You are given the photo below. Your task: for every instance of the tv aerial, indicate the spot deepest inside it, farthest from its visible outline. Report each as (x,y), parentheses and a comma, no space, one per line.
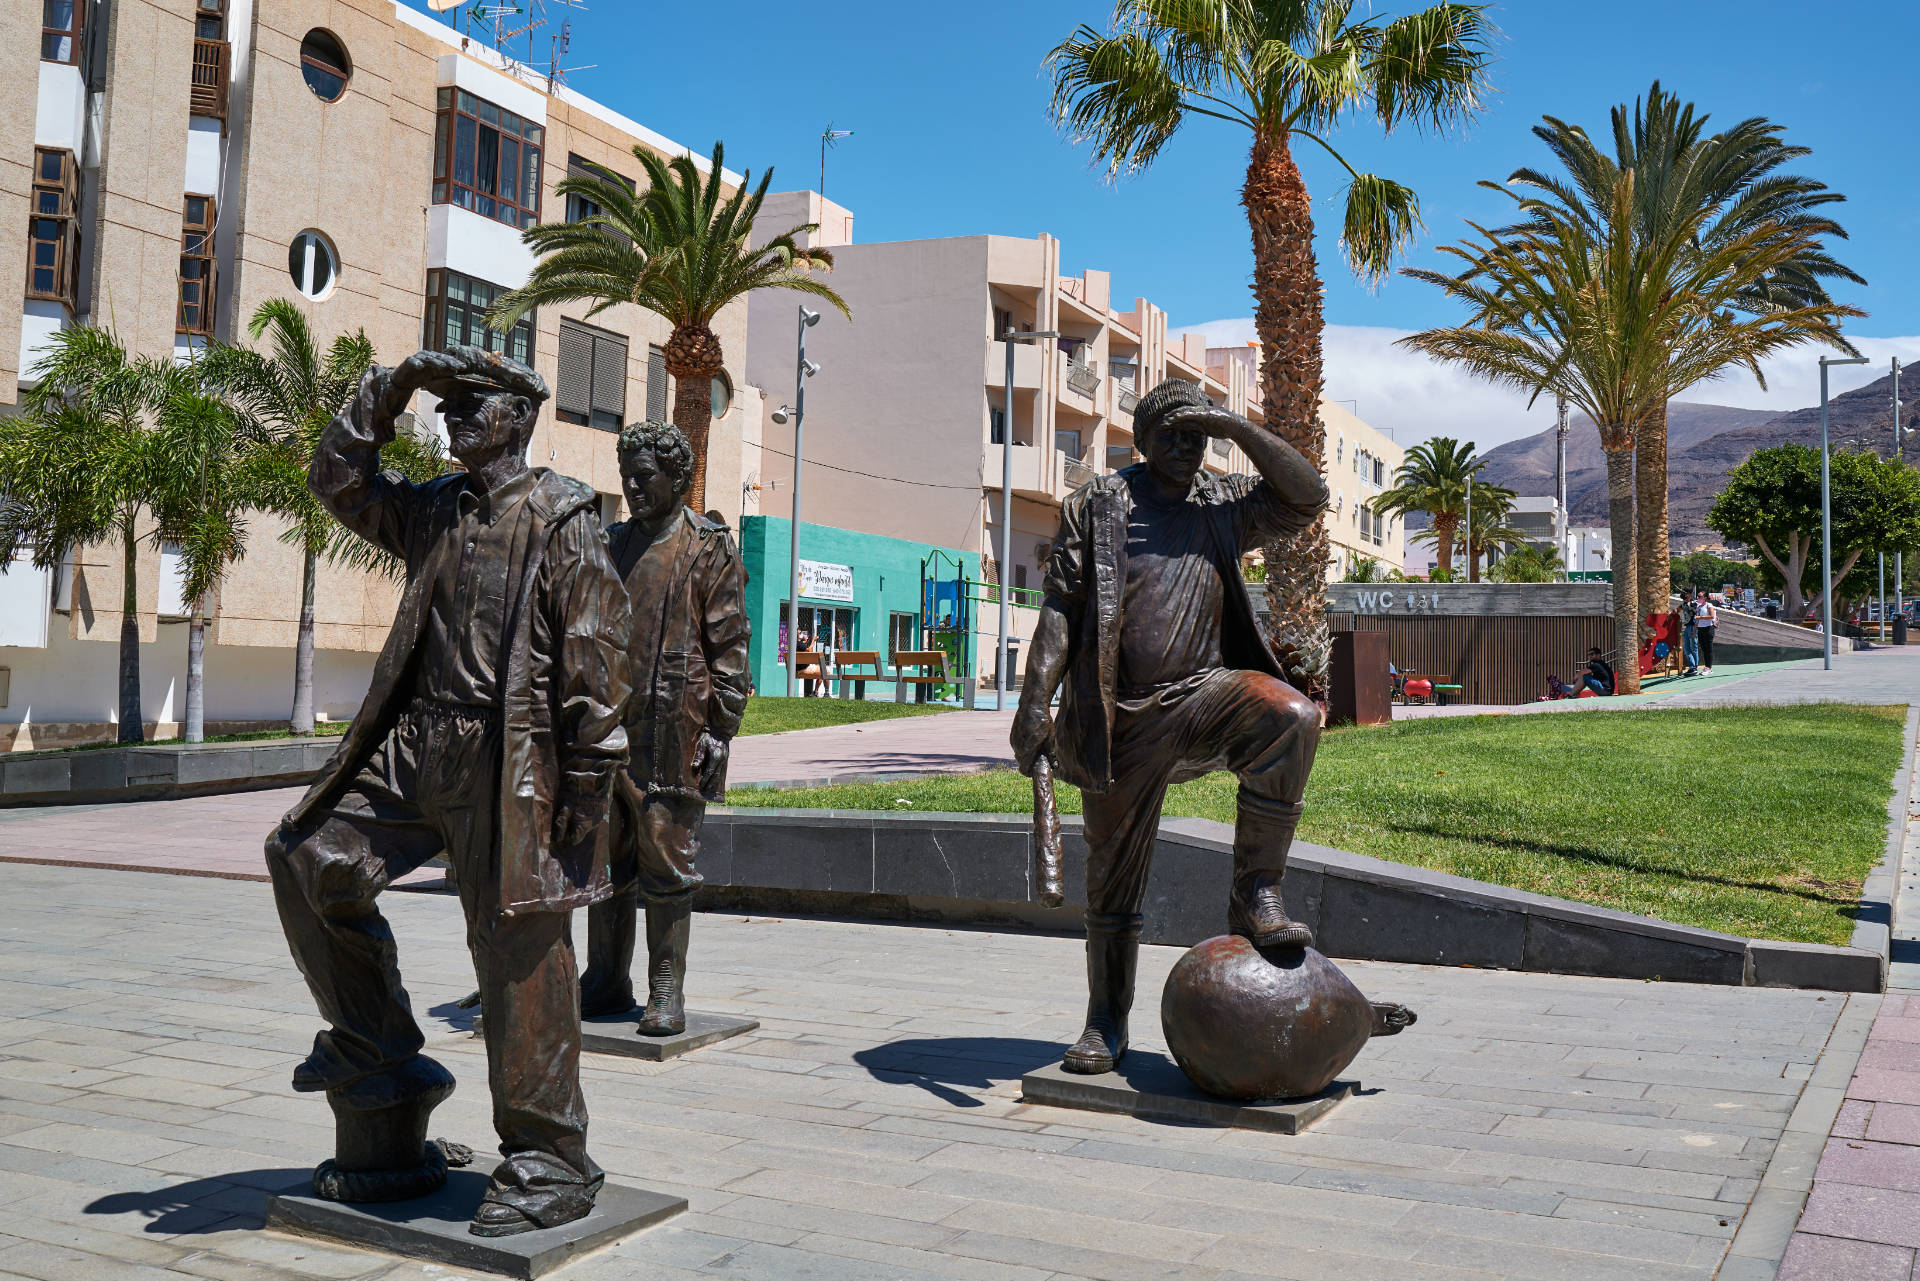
(501,23)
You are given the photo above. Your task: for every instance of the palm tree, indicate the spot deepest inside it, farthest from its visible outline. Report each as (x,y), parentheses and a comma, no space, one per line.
(1680,168)
(1528,564)
(207,485)
(78,468)
(1286,70)
(1490,521)
(1619,322)
(283,399)
(1365,569)
(1432,478)
(679,250)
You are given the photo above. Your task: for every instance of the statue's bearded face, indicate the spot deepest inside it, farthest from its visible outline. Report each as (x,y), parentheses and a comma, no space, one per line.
(1174,453)
(652,490)
(483,425)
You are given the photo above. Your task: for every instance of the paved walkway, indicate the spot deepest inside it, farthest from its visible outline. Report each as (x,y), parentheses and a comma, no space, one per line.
(1530,1128)
(950,743)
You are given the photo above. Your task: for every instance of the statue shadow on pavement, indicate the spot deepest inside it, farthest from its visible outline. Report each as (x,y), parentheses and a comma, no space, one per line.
(220,1203)
(946,1067)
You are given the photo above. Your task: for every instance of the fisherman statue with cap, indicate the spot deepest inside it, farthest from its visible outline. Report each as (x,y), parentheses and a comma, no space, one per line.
(1148,634)
(491,734)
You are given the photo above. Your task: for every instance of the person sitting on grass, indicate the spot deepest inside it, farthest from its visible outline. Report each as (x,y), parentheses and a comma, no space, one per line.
(1598,676)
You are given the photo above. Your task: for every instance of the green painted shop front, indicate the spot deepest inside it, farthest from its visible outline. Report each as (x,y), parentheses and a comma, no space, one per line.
(864,587)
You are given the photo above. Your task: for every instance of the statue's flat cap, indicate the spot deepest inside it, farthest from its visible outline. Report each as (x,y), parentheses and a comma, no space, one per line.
(489,371)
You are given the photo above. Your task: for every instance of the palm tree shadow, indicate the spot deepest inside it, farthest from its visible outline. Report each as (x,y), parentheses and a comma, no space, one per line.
(946,1067)
(218,1204)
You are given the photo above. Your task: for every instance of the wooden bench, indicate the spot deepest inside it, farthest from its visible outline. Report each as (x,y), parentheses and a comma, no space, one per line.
(850,658)
(930,669)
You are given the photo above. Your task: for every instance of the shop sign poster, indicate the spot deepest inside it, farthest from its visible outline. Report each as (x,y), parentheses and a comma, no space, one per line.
(821,581)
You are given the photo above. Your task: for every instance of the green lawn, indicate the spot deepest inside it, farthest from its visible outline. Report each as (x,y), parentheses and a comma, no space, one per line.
(1756,821)
(777,715)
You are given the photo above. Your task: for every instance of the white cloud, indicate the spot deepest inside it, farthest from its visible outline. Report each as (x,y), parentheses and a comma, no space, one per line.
(1415,398)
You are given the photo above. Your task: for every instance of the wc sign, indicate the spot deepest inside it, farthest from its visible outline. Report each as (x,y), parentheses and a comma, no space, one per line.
(1388,601)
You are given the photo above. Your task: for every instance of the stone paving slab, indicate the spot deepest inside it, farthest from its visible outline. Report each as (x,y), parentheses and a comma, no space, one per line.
(1529,1127)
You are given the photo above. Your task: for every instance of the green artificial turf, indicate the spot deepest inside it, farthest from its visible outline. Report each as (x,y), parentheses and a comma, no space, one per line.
(1760,822)
(778,715)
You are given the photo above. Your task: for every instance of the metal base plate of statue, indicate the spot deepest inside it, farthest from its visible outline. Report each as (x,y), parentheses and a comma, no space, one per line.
(1150,1085)
(434,1228)
(621,1034)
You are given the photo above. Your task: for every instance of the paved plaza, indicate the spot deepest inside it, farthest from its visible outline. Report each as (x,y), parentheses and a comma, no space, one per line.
(1529,1127)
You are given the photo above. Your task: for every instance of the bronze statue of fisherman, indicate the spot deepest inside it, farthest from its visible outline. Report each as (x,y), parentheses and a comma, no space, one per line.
(1149,635)
(491,732)
(688,651)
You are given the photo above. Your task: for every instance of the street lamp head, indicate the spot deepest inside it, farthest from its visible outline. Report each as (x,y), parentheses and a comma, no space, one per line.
(783,415)
(812,367)
(1843,360)
(809,318)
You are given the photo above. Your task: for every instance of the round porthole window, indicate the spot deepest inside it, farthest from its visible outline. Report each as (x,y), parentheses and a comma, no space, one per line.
(324,65)
(312,263)
(722,395)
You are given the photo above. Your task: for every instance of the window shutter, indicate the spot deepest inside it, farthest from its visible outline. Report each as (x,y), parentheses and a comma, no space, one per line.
(574,386)
(610,376)
(656,385)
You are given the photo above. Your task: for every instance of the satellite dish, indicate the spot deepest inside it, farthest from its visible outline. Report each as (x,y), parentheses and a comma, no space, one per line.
(441,6)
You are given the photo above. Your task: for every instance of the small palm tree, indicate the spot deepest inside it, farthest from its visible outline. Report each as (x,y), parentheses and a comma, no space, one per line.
(1365,569)
(1528,564)
(1432,478)
(283,398)
(78,468)
(1619,323)
(1680,168)
(209,482)
(1491,522)
(1287,71)
(678,249)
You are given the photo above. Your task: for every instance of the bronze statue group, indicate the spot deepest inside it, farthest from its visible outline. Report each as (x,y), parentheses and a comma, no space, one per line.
(553,711)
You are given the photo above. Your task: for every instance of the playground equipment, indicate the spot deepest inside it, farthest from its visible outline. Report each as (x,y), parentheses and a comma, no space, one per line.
(955,619)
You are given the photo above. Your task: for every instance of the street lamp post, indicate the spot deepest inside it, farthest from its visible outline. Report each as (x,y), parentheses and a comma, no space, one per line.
(1011,337)
(1826,516)
(803,369)
(1560,471)
(1899,564)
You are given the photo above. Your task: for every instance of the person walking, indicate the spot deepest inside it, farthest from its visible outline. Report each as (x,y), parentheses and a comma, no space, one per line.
(1689,632)
(1706,617)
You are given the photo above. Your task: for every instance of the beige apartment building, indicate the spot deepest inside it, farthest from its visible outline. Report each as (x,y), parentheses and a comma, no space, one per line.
(907,426)
(174,163)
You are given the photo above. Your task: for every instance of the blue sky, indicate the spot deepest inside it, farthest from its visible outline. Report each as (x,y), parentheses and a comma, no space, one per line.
(952,135)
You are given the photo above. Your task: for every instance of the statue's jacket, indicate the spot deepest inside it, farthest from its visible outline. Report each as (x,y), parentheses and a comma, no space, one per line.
(697,677)
(564,680)
(1087,579)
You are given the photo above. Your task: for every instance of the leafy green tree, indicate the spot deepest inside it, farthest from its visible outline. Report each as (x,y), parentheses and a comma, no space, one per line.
(1680,170)
(1432,478)
(1365,569)
(1528,563)
(282,398)
(1772,503)
(1704,571)
(1287,71)
(678,249)
(79,467)
(1618,322)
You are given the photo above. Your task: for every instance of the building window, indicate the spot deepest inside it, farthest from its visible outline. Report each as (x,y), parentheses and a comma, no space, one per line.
(579,208)
(657,385)
(997,426)
(903,633)
(210,20)
(457,317)
(591,389)
(60,22)
(313,264)
(196,267)
(323,64)
(53,256)
(1067,442)
(721,392)
(487,159)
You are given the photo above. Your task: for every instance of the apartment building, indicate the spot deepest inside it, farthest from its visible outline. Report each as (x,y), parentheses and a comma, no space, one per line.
(175,163)
(908,428)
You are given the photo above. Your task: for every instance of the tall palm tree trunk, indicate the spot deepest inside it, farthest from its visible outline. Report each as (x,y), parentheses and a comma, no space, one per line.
(1443,528)
(1287,316)
(1626,595)
(302,718)
(693,357)
(197,673)
(1650,504)
(132,720)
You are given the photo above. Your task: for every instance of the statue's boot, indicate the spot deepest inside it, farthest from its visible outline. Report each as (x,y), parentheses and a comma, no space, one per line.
(1262,836)
(669,922)
(1113,953)
(607,986)
(534,1190)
